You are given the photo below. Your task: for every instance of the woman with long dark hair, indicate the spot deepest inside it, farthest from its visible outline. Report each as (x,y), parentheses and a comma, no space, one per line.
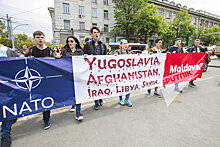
(73,48)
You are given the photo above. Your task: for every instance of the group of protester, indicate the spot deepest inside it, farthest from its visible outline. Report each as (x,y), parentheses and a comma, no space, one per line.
(92,47)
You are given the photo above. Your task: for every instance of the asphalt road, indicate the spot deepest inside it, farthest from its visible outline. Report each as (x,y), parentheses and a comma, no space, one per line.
(192,120)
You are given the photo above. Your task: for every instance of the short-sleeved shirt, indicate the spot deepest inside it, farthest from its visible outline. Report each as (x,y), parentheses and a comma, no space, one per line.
(41,53)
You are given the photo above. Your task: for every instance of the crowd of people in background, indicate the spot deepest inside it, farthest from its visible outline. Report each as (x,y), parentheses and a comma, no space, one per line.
(93,46)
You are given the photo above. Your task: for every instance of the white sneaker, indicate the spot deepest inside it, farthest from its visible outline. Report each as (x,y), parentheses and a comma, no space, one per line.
(72,109)
(79,117)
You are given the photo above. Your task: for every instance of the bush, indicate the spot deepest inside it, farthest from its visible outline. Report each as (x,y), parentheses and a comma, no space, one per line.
(6,41)
(28,44)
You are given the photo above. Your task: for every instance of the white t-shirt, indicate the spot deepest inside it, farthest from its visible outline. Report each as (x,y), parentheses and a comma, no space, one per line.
(198,50)
(145,52)
(158,51)
(3,51)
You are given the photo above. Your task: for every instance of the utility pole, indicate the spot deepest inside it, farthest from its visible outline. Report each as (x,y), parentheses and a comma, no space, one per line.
(10,29)
(8,25)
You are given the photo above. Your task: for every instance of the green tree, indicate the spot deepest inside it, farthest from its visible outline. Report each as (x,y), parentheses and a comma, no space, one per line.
(150,23)
(3,31)
(6,41)
(211,35)
(182,25)
(28,44)
(21,38)
(168,35)
(126,12)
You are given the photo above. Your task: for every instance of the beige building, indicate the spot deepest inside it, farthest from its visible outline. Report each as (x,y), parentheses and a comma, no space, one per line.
(199,18)
(77,16)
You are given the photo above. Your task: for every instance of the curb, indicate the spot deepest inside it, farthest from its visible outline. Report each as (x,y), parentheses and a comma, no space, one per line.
(218,66)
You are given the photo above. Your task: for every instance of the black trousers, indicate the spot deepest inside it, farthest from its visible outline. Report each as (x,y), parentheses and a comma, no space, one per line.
(46,115)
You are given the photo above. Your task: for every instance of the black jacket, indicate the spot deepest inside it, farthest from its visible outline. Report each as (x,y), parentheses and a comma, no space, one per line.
(90,49)
(194,48)
(67,52)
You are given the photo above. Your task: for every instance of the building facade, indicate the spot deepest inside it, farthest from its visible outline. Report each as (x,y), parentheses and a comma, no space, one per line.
(76,17)
(199,18)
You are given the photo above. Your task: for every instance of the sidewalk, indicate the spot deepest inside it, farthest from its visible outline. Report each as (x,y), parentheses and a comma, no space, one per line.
(214,63)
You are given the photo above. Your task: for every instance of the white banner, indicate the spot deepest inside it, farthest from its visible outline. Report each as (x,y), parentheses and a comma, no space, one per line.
(104,76)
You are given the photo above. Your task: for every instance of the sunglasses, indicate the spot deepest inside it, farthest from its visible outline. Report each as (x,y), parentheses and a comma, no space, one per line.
(39,37)
(70,41)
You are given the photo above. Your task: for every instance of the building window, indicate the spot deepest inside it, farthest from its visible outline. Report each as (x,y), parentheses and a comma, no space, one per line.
(67,24)
(105,2)
(81,10)
(174,15)
(105,14)
(94,24)
(210,24)
(194,20)
(206,23)
(94,12)
(106,28)
(160,11)
(201,22)
(66,8)
(168,14)
(82,25)
(94,1)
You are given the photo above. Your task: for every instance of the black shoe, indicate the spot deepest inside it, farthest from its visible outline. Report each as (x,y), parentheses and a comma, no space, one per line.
(96,107)
(100,102)
(6,141)
(46,125)
(191,84)
(14,121)
(178,90)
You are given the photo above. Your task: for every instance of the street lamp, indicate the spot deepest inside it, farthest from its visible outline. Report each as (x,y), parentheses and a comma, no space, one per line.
(12,36)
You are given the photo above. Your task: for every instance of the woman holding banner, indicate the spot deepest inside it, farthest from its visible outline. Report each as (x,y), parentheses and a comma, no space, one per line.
(73,48)
(123,50)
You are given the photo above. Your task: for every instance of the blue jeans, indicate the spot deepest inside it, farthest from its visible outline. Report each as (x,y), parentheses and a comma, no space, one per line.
(176,85)
(78,108)
(126,97)
(6,128)
(97,101)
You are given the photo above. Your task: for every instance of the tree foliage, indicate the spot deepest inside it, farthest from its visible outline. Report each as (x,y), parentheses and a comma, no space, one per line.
(182,25)
(150,23)
(211,35)
(3,31)
(126,12)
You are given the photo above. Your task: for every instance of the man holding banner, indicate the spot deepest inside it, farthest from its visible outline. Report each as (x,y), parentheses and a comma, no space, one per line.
(196,49)
(95,47)
(157,49)
(40,50)
(176,49)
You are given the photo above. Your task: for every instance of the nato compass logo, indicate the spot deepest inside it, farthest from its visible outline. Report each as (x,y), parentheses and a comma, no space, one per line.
(29,78)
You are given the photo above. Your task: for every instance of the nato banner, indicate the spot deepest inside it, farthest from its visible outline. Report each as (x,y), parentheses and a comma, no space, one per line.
(33,85)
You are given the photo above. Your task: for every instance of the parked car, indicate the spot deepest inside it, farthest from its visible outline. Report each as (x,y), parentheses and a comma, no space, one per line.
(136,51)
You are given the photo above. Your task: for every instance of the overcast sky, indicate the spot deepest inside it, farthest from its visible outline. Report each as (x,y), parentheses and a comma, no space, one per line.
(35,13)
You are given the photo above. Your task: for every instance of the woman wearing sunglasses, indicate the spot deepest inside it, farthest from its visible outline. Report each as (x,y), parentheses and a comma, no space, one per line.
(73,48)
